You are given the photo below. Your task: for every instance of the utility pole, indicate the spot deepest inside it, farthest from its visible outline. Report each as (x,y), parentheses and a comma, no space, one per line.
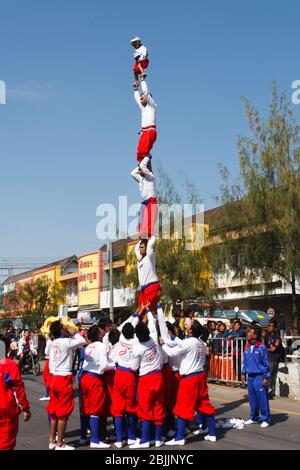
(111,287)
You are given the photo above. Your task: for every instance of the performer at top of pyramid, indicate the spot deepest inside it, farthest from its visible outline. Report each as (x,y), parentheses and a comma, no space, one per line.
(148,135)
(141,60)
(143,175)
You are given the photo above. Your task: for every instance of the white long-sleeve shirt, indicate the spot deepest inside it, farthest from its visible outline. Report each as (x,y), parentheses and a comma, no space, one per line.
(148,112)
(192,352)
(148,355)
(124,354)
(146,182)
(95,358)
(61,354)
(146,265)
(141,53)
(48,347)
(25,346)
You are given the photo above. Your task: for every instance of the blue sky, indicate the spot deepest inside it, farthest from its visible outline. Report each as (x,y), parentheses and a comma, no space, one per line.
(68,132)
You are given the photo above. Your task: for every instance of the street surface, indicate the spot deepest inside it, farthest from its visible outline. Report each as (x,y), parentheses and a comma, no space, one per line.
(284,434)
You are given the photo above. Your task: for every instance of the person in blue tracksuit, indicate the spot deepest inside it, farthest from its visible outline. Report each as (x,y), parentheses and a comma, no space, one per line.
(256,367)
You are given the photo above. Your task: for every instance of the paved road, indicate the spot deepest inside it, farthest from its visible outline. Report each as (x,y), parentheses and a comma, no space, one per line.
(284,434)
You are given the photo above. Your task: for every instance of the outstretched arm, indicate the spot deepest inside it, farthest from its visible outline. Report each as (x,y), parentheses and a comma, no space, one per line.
(137,99)
(150,245)
(152,326)
(137,250)
(162,323)
(136,176)
(145,91)
(144,167)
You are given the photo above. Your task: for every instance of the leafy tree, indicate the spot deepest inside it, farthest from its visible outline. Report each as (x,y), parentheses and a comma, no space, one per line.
(34,300)
(259,223)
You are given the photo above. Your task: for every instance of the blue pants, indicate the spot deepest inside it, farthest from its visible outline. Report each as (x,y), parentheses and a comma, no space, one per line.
(258,399)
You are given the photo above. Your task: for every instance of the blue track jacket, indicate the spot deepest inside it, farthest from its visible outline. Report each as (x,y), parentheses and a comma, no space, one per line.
(256,362)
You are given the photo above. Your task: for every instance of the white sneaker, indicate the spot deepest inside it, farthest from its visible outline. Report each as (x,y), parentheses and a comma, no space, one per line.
(159,443)
(200,431)
(52,445)
(99,445)
(83,442)
(138,445)
(65,447)
(119,445)
(173,442)
(210,438)
(44,399)
(264,424)
(249,421)
(132,441)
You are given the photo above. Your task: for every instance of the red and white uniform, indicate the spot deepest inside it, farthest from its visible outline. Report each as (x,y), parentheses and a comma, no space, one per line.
(140,56)
(148,125)
(149,207)
(109,377)
(150,287)
(125,384)
(193,391)
(171,365)
(12,402)
(61,402)
(151,385)
(92,388)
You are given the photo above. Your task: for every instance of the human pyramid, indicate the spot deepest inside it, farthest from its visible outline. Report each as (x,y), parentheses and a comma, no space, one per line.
(140,373)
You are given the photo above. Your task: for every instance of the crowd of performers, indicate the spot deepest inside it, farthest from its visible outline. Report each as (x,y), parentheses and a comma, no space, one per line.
(140,374)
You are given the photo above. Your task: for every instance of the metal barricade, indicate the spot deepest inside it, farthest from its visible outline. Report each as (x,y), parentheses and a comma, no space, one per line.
(225,359)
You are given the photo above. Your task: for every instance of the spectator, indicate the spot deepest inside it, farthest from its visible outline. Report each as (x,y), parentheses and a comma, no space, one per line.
(189,321)
(273,344)
(219,346)
(181,322)
(238,337)
(212,326)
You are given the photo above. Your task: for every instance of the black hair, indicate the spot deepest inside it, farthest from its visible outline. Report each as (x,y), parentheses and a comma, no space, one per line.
(128,331)
(55,329)
(171,328)
(257,330)
(197,329)
(114,336)
(93,333)
(142,332)
(144,241)
(274,322)
(6,341)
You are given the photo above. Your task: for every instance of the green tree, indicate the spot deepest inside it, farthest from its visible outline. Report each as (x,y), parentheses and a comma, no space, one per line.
(34,300)
(259,223)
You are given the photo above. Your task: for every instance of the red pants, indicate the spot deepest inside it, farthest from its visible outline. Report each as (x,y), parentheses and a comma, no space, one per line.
(8,433)
(148,216)
(61,392)
(124,393)
(151,398)
(151,294)
(146,142)
(46,373)
(171,387)
(144,64)
(92,395)
(108,380)
(193,396)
